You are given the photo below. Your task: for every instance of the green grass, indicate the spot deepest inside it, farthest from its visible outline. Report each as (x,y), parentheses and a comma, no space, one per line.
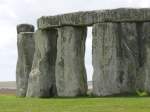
(111,104)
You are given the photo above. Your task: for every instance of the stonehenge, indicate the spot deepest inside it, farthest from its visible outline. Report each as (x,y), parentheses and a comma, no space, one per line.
(51,59)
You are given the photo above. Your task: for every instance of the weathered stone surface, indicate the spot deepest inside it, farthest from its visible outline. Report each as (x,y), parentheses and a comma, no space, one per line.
(71,77)
(89,18)
(25,43)
(42,76)
(146,61)
(115,58)
(129,54)
(140,57)
(73,19)
(104,59)
(25,28)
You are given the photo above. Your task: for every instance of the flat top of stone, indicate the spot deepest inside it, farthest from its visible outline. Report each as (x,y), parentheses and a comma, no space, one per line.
(25,28)
(88,18)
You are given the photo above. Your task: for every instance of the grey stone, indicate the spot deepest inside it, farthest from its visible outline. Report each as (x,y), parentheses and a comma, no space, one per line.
(104,59)
(25,43)
(73,19)
(25,28)
(88,18)
(115,58)
(71,77)
(146,60)
(42,76)
(134,52)
(140,76)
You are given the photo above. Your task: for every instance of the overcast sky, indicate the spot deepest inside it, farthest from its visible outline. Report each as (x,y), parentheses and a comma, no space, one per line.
(13,12)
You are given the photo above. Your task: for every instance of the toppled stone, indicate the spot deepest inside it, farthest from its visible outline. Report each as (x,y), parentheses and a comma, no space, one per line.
(71,79)
(88,18)
(42,76)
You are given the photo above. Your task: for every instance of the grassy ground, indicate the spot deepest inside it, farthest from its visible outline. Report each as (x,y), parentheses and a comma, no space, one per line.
(111,104)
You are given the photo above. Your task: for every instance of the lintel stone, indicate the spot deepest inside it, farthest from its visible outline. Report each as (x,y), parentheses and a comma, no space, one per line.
(88,18)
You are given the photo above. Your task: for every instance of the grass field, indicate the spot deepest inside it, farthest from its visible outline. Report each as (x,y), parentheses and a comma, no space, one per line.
(111,104)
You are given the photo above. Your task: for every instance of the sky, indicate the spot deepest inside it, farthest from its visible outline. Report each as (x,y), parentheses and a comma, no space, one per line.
(13,12)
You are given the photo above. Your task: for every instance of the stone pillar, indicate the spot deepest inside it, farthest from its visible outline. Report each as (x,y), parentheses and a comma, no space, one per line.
(71,79)
(146,38)
(25,44)
(42,76)
(131,55)
(115,58)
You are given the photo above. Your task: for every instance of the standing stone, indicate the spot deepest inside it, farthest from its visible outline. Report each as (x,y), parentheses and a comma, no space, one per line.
(146,38)
(140,76)
(71,79)
(42,76)
(104,59)
(25,44)
(115,52)
(130,55)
